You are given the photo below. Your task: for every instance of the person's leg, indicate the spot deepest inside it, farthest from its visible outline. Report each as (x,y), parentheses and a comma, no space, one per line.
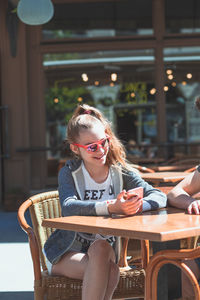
(97,268)
(102,274)
(187,290)
(71,265)
(112,281)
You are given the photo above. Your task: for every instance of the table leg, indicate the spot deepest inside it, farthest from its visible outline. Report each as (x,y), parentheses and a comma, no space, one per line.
(168,287)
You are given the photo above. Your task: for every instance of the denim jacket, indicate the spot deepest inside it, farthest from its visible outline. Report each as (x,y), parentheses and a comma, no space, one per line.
(71,186)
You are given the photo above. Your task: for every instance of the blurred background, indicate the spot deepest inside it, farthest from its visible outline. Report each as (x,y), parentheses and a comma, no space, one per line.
(137,61)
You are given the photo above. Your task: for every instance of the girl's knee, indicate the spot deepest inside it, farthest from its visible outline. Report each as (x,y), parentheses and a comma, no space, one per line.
(101,248)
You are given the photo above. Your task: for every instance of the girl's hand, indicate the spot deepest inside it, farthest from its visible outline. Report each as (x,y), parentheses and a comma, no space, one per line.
(125,207)
(194,207)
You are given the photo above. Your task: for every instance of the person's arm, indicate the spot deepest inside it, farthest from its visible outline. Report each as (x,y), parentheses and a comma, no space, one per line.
(153,198)
(125,206)
(72,205)
(181,195)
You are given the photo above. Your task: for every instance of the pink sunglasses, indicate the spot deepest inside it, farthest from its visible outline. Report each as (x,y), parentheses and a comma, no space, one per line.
(103,143)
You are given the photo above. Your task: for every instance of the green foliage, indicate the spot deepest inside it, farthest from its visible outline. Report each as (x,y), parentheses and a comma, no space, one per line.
(62,101)
(134,92)
(14,11)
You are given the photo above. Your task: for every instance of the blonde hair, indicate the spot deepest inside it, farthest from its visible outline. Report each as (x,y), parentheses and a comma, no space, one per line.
(86,117)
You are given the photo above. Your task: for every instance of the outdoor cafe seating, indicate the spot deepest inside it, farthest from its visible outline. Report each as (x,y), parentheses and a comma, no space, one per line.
(47,205)
(177,258)
(132,280)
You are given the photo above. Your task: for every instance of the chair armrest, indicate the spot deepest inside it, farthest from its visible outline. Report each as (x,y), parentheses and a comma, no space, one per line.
(32,238)
(175,257)
(183,254)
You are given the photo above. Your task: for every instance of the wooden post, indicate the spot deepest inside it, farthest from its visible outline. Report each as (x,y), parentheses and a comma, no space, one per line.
(16,174)
(36,107)
(159,29)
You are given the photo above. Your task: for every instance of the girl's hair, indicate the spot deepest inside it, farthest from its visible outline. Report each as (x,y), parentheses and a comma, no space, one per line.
(85,117)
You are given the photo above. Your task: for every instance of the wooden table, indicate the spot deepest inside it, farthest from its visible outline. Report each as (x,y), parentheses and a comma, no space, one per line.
(171,168)
(144,160)
(163,177)
(163,225)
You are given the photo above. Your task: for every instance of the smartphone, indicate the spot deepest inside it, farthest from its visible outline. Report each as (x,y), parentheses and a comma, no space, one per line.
(135,192)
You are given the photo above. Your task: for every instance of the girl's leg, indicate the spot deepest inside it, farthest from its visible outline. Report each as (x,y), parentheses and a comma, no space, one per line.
(102,274)
(187,290)
(97,269)
(71,265)
(112,281)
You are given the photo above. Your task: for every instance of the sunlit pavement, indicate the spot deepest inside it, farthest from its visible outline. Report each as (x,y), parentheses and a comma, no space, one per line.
(16,271)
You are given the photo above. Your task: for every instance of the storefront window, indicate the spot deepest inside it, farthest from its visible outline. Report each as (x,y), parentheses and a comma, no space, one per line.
(182,16)
(100,19)
(120,83)
(182,87)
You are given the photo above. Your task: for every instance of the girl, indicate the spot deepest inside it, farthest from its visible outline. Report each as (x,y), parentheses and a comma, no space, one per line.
(94,184)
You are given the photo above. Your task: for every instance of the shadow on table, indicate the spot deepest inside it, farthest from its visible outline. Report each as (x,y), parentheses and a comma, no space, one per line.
(162,211)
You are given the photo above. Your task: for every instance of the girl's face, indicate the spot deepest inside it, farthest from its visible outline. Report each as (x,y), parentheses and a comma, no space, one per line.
(94,154)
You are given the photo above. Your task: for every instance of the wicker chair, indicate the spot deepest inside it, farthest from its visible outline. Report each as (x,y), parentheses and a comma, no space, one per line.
(175,257)
(48,287)
(189,250)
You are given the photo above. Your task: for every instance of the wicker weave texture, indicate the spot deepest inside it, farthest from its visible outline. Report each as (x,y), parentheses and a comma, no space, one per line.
(131,284)
(47,205)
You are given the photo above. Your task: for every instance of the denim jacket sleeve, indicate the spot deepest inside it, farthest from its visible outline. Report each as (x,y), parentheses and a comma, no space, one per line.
(153,198)
(69,198)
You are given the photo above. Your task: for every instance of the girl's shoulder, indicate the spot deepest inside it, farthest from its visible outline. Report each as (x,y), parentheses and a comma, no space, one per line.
(66,173)
(71,165)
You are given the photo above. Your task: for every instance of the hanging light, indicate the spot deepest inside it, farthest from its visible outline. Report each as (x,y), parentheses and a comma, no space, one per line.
(166,88)
(189,75)
(152,91)
(56,100)
(169,72)
(79,99)
(113,77)
(35,12)
(132,94)
(170,77)
(84,77)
